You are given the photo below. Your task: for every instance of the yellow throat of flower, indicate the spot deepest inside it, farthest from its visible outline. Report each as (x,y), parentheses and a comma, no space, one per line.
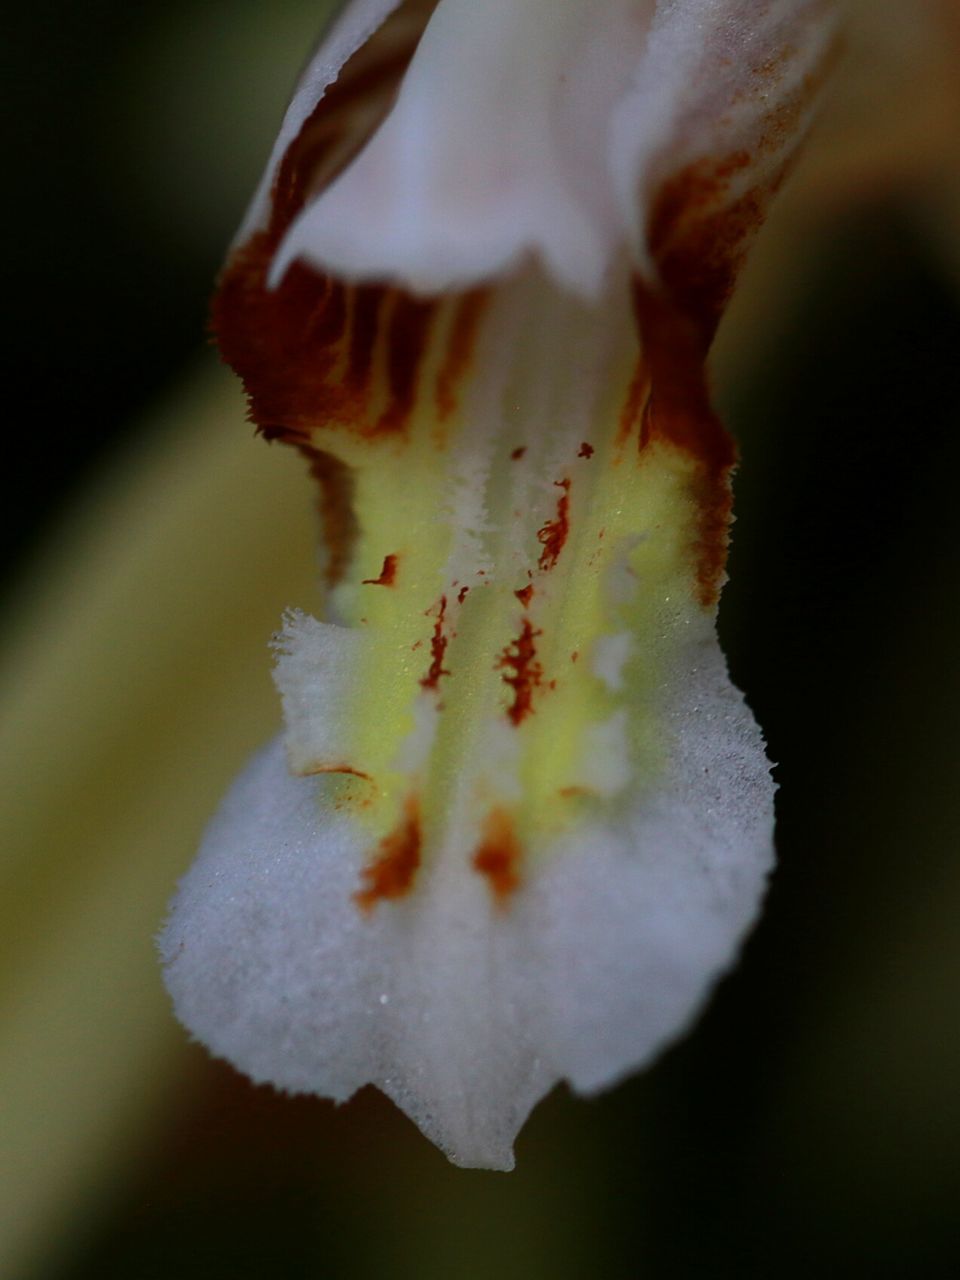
(517,539)
(525,501)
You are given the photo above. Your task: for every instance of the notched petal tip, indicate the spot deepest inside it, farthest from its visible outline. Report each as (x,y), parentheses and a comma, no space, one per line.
(466,1014)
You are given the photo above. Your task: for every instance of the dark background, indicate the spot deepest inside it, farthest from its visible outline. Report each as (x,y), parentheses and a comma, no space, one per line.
(811,1123)
(133,135)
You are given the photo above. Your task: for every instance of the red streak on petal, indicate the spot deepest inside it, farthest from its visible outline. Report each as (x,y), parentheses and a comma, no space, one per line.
(305,350)
(388,574)
(586,450)
(517,454)
(392,872)
(698,236)
(314,769)
(520,658)
(407,341)
(338,521)
(369,304)
(498,855)
(679,413)
(524,595)
(438,647)
(462,594)
(701,224)
(554,533)
(634,403)
(460,348)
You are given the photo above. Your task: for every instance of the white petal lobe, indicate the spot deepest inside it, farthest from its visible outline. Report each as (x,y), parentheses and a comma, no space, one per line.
(463,1014)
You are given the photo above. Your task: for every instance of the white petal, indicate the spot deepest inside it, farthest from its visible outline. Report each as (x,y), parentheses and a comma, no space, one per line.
(316,671)
(490,153)
(720,101)
(550,129)
(463,1014)
(351,30)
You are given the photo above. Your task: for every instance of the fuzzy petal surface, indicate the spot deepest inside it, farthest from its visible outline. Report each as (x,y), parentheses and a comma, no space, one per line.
(466,1016)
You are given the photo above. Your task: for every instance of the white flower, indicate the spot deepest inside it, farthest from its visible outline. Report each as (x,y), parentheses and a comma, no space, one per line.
(531,817)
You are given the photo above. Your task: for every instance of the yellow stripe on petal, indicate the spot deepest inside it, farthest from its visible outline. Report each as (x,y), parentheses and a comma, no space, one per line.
(526,557)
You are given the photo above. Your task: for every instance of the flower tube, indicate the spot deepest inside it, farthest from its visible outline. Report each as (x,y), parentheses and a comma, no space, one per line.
(519,819)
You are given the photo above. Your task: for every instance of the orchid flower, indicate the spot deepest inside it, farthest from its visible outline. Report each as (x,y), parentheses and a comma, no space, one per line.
(520,819)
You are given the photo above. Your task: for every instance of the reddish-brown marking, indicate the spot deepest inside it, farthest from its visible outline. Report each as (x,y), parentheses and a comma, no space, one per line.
(462,594)
(460,348)
(337,518)
(315,769)
(554,533)
(701,223)
(498,855)
(438,647)
(679,412)
(350,110)
(388,574)
(369,303)
(697,235)
(391,873)
(585,451)
(569,793)
(636,398)
(700,239)
(525,595)
(305,348)
(517,454)
(407,340)
(520,658)
(575,656)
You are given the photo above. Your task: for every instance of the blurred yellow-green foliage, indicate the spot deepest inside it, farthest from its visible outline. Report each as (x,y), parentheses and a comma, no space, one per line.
(811,1122)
